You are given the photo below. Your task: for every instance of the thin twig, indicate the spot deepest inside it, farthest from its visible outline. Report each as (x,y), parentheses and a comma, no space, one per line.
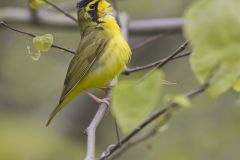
(33,35)
(149,120)
(128,71)
(61,10)
(153,131)
(160,63)
(67,5)
(147,41)
(117,129)
(178,51)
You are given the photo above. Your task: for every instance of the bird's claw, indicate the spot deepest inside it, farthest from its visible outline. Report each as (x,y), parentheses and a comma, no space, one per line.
(98,100)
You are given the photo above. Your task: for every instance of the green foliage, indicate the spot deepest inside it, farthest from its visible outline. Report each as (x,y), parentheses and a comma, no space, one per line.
(43,43)
(34,4)
(34,55)
(213,30)
(182,101)
(133,101)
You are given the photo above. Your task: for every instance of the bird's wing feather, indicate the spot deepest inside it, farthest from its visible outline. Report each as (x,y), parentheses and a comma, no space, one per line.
(90,49)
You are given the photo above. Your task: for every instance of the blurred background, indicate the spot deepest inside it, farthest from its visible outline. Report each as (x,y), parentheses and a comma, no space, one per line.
(30,90)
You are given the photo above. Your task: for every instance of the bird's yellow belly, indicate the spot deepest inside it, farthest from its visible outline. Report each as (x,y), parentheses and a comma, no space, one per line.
(108,66)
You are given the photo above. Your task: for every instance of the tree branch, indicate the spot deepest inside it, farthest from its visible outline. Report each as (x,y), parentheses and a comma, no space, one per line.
(160,63)
(169,58)
(61,10)
(18,15)
(172,106)
(91,131)
(33,35)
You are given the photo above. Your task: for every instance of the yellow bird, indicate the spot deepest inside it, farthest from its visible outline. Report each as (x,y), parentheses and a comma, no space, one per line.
(102,53)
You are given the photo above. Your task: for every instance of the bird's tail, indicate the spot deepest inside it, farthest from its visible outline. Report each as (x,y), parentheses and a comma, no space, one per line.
(54,112)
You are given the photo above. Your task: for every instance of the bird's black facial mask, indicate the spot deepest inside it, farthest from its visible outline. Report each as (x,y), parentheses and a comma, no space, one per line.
(83,3)
(94,12)
(91,9)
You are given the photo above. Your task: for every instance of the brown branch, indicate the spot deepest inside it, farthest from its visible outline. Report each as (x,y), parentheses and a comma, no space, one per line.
(33,35)
(172,106)
(162,62)
(61,10)
(169,58)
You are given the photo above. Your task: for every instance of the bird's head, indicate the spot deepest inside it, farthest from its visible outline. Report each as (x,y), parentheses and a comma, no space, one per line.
(93,10)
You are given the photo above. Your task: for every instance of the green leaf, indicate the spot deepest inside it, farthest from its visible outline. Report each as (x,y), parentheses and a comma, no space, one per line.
(43,43)
(182,101)
(34,4)
(35,56)
(236,86)
(133,101)
(163,128)
(213,30)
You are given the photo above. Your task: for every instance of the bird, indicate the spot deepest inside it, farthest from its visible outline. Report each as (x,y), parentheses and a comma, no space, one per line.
(102,54)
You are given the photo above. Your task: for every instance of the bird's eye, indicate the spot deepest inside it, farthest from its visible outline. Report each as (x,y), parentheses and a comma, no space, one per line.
(92,6)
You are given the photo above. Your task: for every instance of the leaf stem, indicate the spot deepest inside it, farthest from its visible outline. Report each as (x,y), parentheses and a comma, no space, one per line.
(2,23)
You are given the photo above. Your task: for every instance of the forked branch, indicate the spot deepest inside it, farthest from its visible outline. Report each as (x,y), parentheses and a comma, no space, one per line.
(172,106)
(162,62)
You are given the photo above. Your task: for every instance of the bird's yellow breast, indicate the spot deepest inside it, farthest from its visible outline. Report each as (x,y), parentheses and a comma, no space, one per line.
(113,60)
(110,63)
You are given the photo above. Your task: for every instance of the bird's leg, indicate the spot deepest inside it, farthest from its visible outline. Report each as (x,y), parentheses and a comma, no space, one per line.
(98,100)
(106,88)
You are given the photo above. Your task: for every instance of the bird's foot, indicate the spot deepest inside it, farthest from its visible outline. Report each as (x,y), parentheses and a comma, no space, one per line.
(107,88)
(98,100)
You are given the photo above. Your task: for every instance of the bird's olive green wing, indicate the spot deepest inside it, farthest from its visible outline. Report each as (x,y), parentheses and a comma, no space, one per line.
(91,47)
